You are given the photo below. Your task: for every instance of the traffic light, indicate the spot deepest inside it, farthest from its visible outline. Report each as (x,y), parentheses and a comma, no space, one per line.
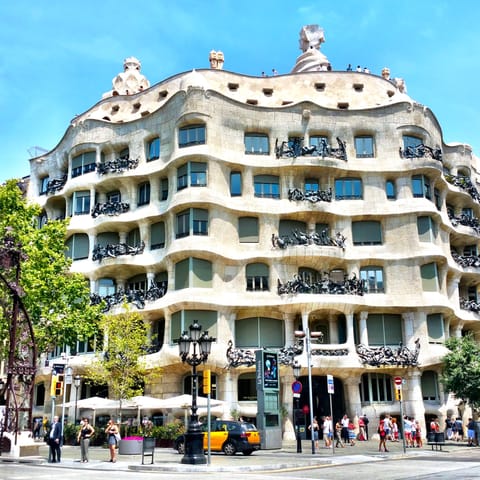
(59,385)
(53,385)
(207,383)
(398,394)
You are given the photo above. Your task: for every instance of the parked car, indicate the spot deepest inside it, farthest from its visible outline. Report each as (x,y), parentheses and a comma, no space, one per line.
(227,436)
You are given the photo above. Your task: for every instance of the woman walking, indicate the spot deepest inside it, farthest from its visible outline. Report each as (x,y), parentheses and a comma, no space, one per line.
(84,434)
(112,433)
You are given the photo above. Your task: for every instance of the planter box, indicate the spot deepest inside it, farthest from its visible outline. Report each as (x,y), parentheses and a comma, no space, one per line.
(130,447)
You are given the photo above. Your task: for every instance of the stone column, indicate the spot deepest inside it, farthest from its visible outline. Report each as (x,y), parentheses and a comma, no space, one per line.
(363,328)
(413,398)
(350,334)
(353,402)
(287,401)
(408,329)
(333,329)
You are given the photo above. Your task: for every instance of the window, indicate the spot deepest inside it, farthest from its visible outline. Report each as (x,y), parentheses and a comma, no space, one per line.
(429,276)
(430,390)
(193,273)
(188,382)
(376,388)
(134,238)
(77,246)
(410,141)
(114,197)
(235,184)
(106,287)
(348,189)
(437,198)
(472,294)
(144,194)
(191,135)
(364,147)
(435,328)
(257,144)
(105,238)
(153,150)
(247,387)
(311,185)
(421,187)
(319,141)
(157,236)
(373,277)
(83,163)
(257,275)
(259,332)
(163,189)
(44,185)
(384,329)
(427,229)
(39,395)
(291,227)
(81,202)
(367,233)
(193,174)
(137,283)
(470,251)
(390,190)
(181,320)
(266,186)
(467,212)
(193,221)
(248,229)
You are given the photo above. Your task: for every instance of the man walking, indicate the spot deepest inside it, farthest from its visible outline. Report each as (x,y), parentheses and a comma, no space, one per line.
(55,441)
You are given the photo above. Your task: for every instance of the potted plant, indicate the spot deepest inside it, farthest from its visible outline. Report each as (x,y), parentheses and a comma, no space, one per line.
(166,434)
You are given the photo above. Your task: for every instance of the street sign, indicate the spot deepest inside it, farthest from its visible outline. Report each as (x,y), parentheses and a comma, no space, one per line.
(330,385)
(297,387)
(398,382)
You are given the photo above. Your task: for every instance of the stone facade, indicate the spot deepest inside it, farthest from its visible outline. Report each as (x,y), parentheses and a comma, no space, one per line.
(206,163)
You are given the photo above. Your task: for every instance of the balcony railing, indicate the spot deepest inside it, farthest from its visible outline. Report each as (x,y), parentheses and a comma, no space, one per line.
(400,356)
(302,238)
(466,261)
(299,284)
(465,220)
(56,184)
(110,208)
(465,184)
(135,297)
(470,305)
(313,196)
(421,151)
(118,165)
(115,250)
(295,148)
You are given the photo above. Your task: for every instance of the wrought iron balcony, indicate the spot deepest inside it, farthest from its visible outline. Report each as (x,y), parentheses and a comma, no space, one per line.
(466,261)
(465,220)
(115,250)
(295,148)
(299,284)
(302,238)
(470,305)
(110,209)
(421,151)
(135,297)
(389,356)
(313,196)
(118,165)
(56,184)
(465,184)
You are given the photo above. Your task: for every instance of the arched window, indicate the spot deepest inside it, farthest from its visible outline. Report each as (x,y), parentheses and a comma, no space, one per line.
(376,388)
(430,390)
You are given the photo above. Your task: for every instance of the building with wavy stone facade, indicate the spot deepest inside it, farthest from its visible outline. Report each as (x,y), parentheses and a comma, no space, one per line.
(319,201)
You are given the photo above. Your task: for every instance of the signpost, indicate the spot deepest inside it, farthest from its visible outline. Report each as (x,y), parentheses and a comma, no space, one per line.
(331,391)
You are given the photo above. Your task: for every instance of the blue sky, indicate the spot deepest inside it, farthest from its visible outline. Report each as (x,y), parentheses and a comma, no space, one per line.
(57,57)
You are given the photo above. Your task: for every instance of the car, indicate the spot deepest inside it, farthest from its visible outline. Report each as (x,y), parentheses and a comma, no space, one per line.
(227,436)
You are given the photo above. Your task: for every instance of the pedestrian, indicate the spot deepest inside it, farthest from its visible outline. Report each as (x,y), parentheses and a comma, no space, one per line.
(471,432)
(314,429)
(345,423)
(407,431)
(327,431)
(418,434)
(361,428)
(387,426)
(382,435)
(351,433)
(36,428)
(338,434)
(55,441)
(83,438)
(459,428)
(395,432)
(434,425)
(365,422)
(112,438)
(349,68)
(449,428)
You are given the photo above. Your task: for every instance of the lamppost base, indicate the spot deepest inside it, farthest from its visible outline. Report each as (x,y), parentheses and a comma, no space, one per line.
(194,452)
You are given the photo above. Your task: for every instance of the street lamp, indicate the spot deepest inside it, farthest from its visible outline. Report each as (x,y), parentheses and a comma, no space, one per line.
(308,335)
(296,373)
(194,453)
(76,383)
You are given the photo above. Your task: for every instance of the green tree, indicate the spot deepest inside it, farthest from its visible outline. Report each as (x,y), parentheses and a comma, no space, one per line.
(461,369)
(122,365)
(57,301)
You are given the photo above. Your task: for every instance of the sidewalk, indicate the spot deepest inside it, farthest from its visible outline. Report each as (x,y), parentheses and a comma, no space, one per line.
(167,459)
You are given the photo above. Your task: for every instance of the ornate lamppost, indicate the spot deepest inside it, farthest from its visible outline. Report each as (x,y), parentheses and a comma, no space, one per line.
(76,383)
(194,453)
(297,389)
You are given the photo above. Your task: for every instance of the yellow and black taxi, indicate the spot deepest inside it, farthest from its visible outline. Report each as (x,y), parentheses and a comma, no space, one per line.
(227,436)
